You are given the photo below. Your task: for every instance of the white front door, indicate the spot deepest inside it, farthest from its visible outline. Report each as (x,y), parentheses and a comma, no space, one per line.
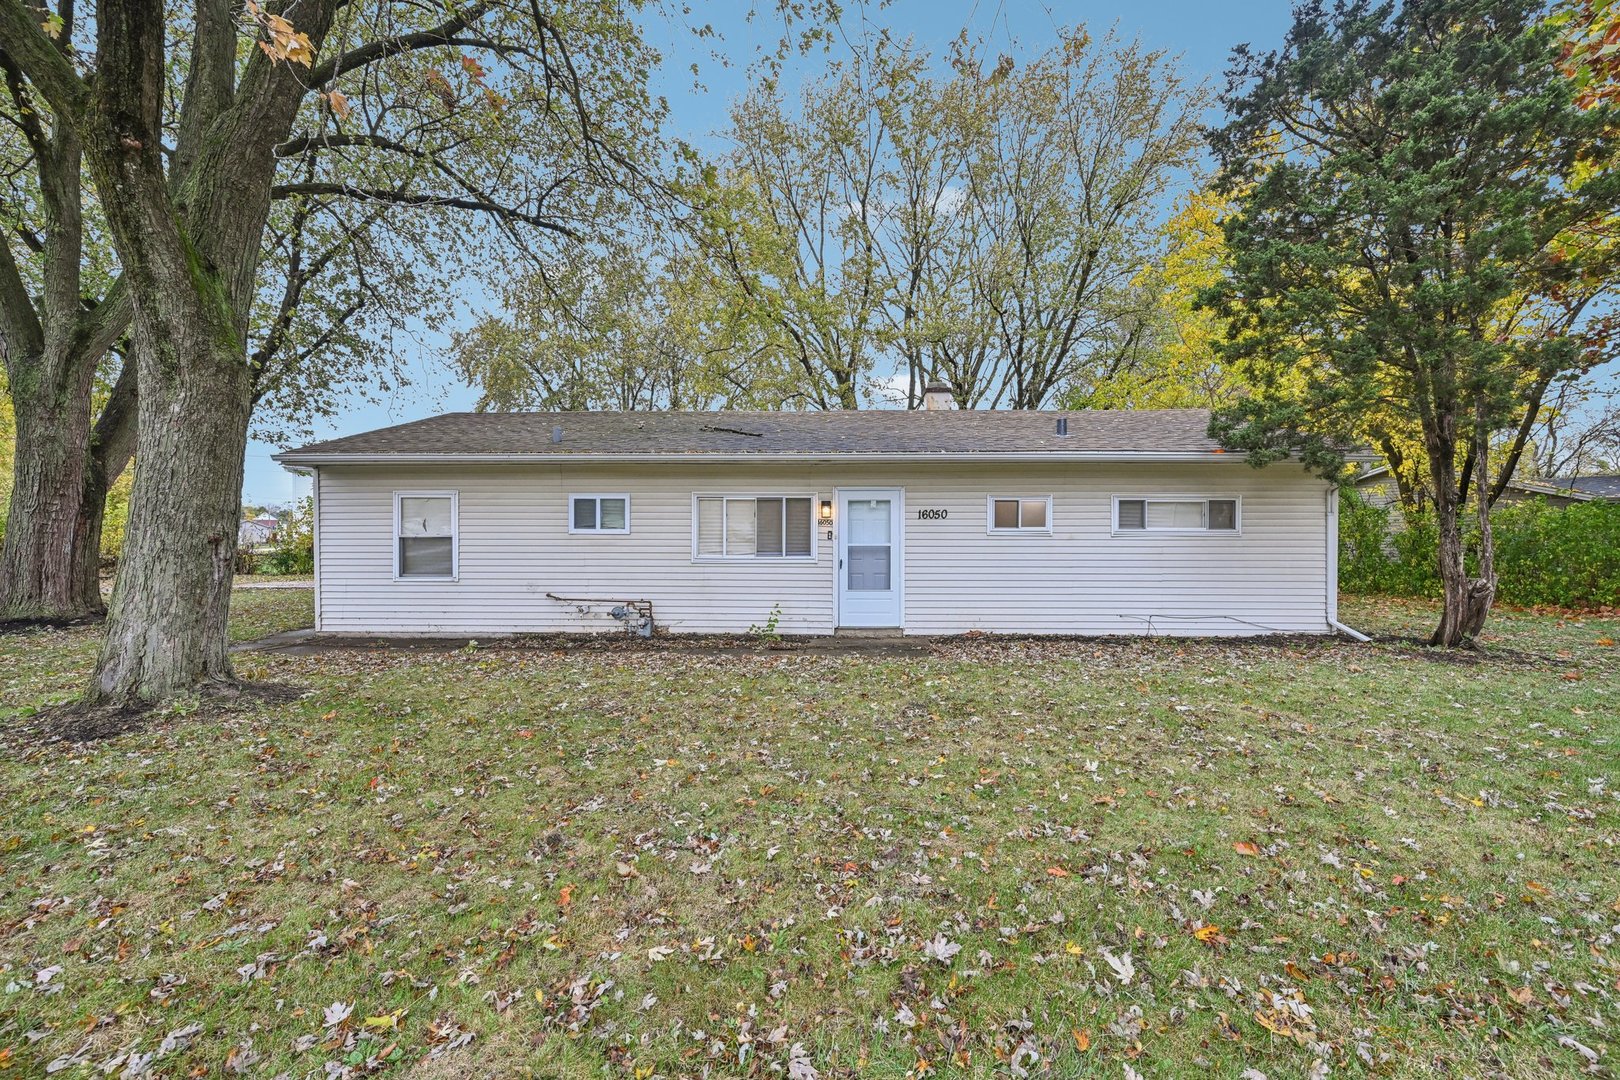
(869,535)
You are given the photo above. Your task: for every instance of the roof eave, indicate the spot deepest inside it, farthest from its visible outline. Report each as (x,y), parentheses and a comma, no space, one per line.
(299,459)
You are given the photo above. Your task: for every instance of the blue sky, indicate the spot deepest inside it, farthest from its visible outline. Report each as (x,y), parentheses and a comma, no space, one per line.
(1202,32)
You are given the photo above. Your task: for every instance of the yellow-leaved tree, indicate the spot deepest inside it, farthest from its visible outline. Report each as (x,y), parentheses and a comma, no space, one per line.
(1183,369)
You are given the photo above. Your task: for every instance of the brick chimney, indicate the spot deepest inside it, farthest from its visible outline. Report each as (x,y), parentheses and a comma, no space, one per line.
(937,397)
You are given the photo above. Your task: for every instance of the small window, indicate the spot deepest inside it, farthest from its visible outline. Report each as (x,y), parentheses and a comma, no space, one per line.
(1023,514)
(1181,514)
(599,514)
(754,527)
(425,542)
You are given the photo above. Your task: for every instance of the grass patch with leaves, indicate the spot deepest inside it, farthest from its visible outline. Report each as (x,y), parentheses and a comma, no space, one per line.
(1070,858)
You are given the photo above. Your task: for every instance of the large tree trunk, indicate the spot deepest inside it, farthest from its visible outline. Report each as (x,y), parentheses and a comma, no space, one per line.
(166,631)
(189,251)
(51,348)
(1466,600)
(112,443)
(53,433)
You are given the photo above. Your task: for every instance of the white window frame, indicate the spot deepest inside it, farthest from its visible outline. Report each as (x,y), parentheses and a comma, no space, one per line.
(768,560)
(599,496)
(455,534)
(1022,530)
(1237,514)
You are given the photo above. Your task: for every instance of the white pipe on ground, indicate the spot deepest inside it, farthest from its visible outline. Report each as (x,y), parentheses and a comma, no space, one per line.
(1353,634)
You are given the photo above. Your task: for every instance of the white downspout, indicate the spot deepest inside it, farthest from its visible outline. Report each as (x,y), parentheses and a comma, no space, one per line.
(1333,569)
(315,538)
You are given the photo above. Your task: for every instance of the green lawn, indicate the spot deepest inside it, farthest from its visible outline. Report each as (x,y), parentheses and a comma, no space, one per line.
(1158,857)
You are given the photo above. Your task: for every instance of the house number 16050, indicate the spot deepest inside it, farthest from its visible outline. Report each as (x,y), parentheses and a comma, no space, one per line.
(932,515)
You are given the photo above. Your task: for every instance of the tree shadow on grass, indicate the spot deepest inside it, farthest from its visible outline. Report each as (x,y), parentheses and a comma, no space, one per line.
(76,722)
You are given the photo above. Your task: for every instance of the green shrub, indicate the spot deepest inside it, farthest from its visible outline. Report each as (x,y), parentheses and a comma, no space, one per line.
(295,544)
(1544,555)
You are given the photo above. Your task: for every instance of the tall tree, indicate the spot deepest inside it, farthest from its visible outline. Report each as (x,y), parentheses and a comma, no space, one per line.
(339,272)
(1413,187)
(189,226)
(792,223)
(625,329)
(61,311)
(906,218)
(1086,142)
(1179,365)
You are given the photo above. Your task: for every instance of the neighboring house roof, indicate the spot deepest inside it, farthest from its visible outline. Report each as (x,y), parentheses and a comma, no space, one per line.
(1164,433)
(1603,487)
(1575,489)
(256,530)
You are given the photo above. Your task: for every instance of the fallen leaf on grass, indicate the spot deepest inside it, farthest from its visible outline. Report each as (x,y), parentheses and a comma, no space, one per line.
(1245,847)
(799,1067)
(1123,966)
(941,948)
(1585,1051)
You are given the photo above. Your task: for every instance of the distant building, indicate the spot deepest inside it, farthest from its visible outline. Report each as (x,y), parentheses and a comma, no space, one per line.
(1599,487)
(1377,487)
(256,531)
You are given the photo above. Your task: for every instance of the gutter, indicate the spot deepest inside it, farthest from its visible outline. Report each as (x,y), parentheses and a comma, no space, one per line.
(294,458)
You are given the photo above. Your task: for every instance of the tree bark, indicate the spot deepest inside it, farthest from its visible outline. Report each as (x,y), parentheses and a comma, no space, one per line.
(51,348)
(1466,601)
(53,426)
(189,253)
(1482,589)
(112,444)
(166,631)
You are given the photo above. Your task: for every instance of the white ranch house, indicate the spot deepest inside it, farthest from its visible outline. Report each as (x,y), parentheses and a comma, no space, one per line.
(919,522)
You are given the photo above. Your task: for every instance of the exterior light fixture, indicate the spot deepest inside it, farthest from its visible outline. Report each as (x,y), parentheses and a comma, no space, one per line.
(826,509)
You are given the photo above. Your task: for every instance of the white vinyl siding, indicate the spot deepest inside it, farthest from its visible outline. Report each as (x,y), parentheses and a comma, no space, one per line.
(1018,513)
(599,514)
(425,534)
(514,547)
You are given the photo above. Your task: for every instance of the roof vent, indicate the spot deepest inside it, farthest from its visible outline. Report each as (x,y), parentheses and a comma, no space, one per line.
(1063,425)
(936,397)
(556,433)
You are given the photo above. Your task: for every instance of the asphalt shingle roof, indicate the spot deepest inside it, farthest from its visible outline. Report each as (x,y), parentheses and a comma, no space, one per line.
(1162,431)
(1606,487)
